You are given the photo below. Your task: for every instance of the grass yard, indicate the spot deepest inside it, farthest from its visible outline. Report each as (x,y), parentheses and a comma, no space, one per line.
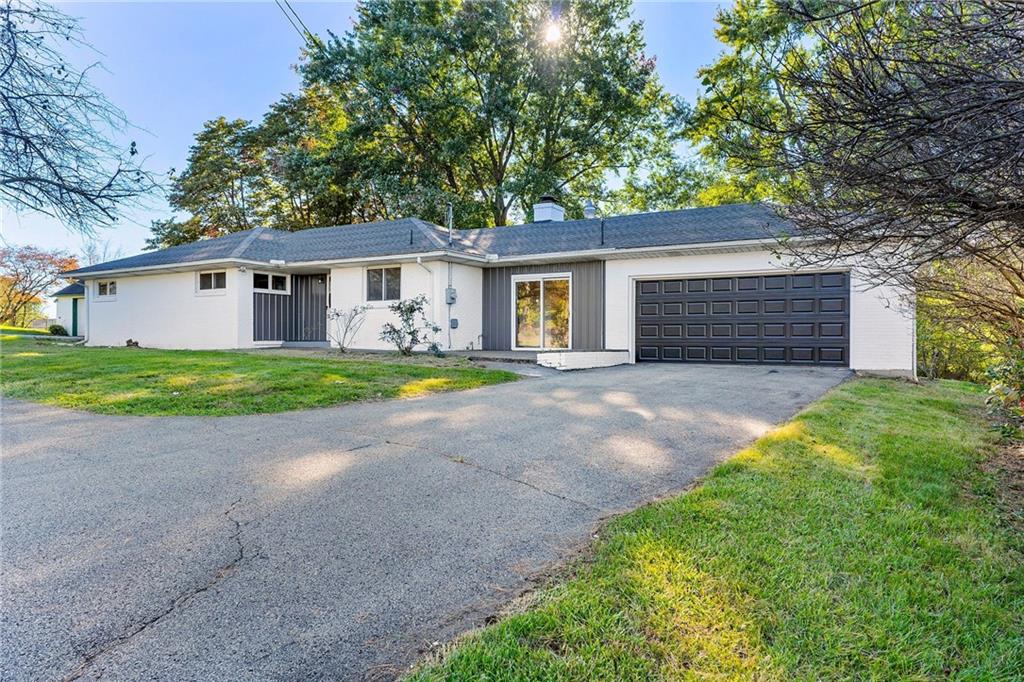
(159,382)
(11,329)
(862,540)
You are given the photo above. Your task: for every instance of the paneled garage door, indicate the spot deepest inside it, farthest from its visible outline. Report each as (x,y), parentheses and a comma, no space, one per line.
(778,319)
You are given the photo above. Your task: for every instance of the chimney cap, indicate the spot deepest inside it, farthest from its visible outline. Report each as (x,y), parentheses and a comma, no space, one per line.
(547,199)
(589,210)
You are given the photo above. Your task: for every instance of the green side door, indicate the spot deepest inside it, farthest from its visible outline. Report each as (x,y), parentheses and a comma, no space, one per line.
(74,317)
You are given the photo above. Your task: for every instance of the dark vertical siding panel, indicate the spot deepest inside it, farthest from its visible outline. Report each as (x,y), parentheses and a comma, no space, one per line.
(485,320)
(300,316)
(279,316)
(264,313)
(587,303)
(275,316)
(298,296)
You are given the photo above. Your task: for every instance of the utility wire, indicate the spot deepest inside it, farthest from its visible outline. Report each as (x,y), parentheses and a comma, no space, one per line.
(290,20)
(296,15)
(308,37)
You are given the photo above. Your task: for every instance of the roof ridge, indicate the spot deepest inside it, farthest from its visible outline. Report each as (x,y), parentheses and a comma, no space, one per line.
(427,229)
(240,249)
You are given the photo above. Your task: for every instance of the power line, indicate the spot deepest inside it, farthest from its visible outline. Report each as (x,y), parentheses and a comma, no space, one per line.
(308,37)
(290,20)
(296,15)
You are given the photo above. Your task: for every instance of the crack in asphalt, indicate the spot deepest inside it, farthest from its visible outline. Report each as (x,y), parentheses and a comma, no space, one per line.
(90,656)
(458,459)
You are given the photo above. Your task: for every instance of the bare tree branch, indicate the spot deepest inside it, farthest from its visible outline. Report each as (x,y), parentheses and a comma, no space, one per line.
(57,154)
(902,139)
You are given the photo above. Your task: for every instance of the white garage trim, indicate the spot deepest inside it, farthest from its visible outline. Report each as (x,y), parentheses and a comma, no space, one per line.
(882,338)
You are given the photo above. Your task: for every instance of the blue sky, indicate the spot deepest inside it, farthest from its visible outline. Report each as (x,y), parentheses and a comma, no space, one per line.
(172,66)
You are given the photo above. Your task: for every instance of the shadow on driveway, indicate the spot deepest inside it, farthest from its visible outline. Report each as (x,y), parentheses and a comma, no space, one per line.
(340,542)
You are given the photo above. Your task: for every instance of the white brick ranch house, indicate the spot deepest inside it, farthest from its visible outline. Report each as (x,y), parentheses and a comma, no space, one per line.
(694,285)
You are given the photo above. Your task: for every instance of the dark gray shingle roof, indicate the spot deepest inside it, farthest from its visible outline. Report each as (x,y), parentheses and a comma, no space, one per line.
(227,246)
(73,289)
(737,222)
(366,240)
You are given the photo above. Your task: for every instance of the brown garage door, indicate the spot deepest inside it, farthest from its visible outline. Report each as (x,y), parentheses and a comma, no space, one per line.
(779,319)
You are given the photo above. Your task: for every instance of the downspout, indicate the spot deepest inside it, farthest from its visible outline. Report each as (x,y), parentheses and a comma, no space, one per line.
(450,215)
(88,313)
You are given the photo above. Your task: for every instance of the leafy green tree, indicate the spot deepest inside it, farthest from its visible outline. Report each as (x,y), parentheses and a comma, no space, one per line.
(481,104)
(680,183)
(426,103)
(761,38)
(310,164)
(218,187)
(222,177)
(890,131)
(172,232)
(297,169)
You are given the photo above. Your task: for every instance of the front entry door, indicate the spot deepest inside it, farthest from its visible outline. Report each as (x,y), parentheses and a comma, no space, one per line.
(542,308)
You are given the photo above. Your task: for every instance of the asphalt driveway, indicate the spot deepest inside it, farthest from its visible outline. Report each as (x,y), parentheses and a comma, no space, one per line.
(337,543)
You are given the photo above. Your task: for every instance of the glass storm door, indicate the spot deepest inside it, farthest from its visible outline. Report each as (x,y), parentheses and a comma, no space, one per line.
(542,313)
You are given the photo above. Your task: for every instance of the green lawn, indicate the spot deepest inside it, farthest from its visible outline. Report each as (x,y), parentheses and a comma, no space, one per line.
(158,382)
(11,329)
(862,540)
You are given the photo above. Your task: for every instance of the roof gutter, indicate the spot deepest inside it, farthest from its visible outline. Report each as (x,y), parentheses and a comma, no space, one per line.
(166,267)
(489,259)
(753,244)
(453,255)
(192,265)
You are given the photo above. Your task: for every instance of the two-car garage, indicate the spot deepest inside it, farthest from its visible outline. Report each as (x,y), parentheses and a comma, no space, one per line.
(799,318)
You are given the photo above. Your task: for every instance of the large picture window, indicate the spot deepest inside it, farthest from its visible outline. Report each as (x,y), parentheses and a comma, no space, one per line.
(542,312)
(384,284)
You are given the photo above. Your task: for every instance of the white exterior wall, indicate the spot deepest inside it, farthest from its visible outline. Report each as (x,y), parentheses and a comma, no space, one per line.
(168,311)
(468,281)
(881,333)
(65,317)
(883,329)
(348,289)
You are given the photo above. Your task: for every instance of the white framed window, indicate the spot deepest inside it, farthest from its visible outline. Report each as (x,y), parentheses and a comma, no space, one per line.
(384,284)
(214,282)
(270,282)
(542,311)
(106,288)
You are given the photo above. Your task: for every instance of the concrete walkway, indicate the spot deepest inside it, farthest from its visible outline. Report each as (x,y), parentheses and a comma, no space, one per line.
(343,542)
